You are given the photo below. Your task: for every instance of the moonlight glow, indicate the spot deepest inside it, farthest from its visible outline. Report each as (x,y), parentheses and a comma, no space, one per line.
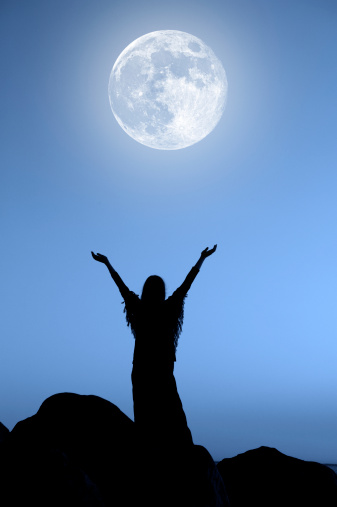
(167,90)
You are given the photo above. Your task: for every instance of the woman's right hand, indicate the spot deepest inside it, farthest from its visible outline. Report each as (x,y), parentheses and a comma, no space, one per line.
(100,258)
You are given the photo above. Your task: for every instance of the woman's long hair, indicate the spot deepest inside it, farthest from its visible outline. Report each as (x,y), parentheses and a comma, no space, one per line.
(154,293)
(153,290)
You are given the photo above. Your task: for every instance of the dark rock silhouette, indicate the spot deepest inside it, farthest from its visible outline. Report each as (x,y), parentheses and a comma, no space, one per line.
(82,450)
(72,447)
(211,491)
(4,432)
(266,477)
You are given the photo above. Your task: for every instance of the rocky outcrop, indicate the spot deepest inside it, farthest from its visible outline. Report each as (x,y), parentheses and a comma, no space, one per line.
(207,483)
(74,447)
(82,450)
(266,477)
(4,432)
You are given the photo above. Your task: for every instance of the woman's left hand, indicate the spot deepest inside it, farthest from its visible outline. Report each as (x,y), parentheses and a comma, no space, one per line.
(206,253)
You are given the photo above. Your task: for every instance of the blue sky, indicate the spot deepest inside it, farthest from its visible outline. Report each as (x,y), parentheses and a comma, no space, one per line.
(256,362)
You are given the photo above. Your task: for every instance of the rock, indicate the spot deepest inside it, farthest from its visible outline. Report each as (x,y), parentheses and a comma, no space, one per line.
(82,443)
(207,484)
(266,477)
(82,450)
(46,477)
(189,478)
(4,432)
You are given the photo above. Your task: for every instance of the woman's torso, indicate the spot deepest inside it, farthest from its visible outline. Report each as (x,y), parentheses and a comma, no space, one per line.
(154,327)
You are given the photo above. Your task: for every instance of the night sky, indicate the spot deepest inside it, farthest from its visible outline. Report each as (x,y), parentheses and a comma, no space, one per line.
(256,361)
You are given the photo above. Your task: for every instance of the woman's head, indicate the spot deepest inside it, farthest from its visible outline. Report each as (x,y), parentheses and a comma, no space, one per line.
(153,290)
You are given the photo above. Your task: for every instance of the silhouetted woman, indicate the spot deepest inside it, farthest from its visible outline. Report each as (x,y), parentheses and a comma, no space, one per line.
(156,324)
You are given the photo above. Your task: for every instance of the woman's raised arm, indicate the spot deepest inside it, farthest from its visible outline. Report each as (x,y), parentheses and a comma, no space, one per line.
(123,289)
(185,286)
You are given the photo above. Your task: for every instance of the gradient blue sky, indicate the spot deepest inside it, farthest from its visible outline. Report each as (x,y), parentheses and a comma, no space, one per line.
(257,356)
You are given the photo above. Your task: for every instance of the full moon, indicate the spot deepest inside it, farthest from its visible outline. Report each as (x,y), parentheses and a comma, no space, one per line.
(167,90)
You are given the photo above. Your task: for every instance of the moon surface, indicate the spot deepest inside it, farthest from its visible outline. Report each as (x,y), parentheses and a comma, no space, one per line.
(167,90)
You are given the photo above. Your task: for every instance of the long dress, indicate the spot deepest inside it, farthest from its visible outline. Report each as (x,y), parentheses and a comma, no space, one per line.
(159,415)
